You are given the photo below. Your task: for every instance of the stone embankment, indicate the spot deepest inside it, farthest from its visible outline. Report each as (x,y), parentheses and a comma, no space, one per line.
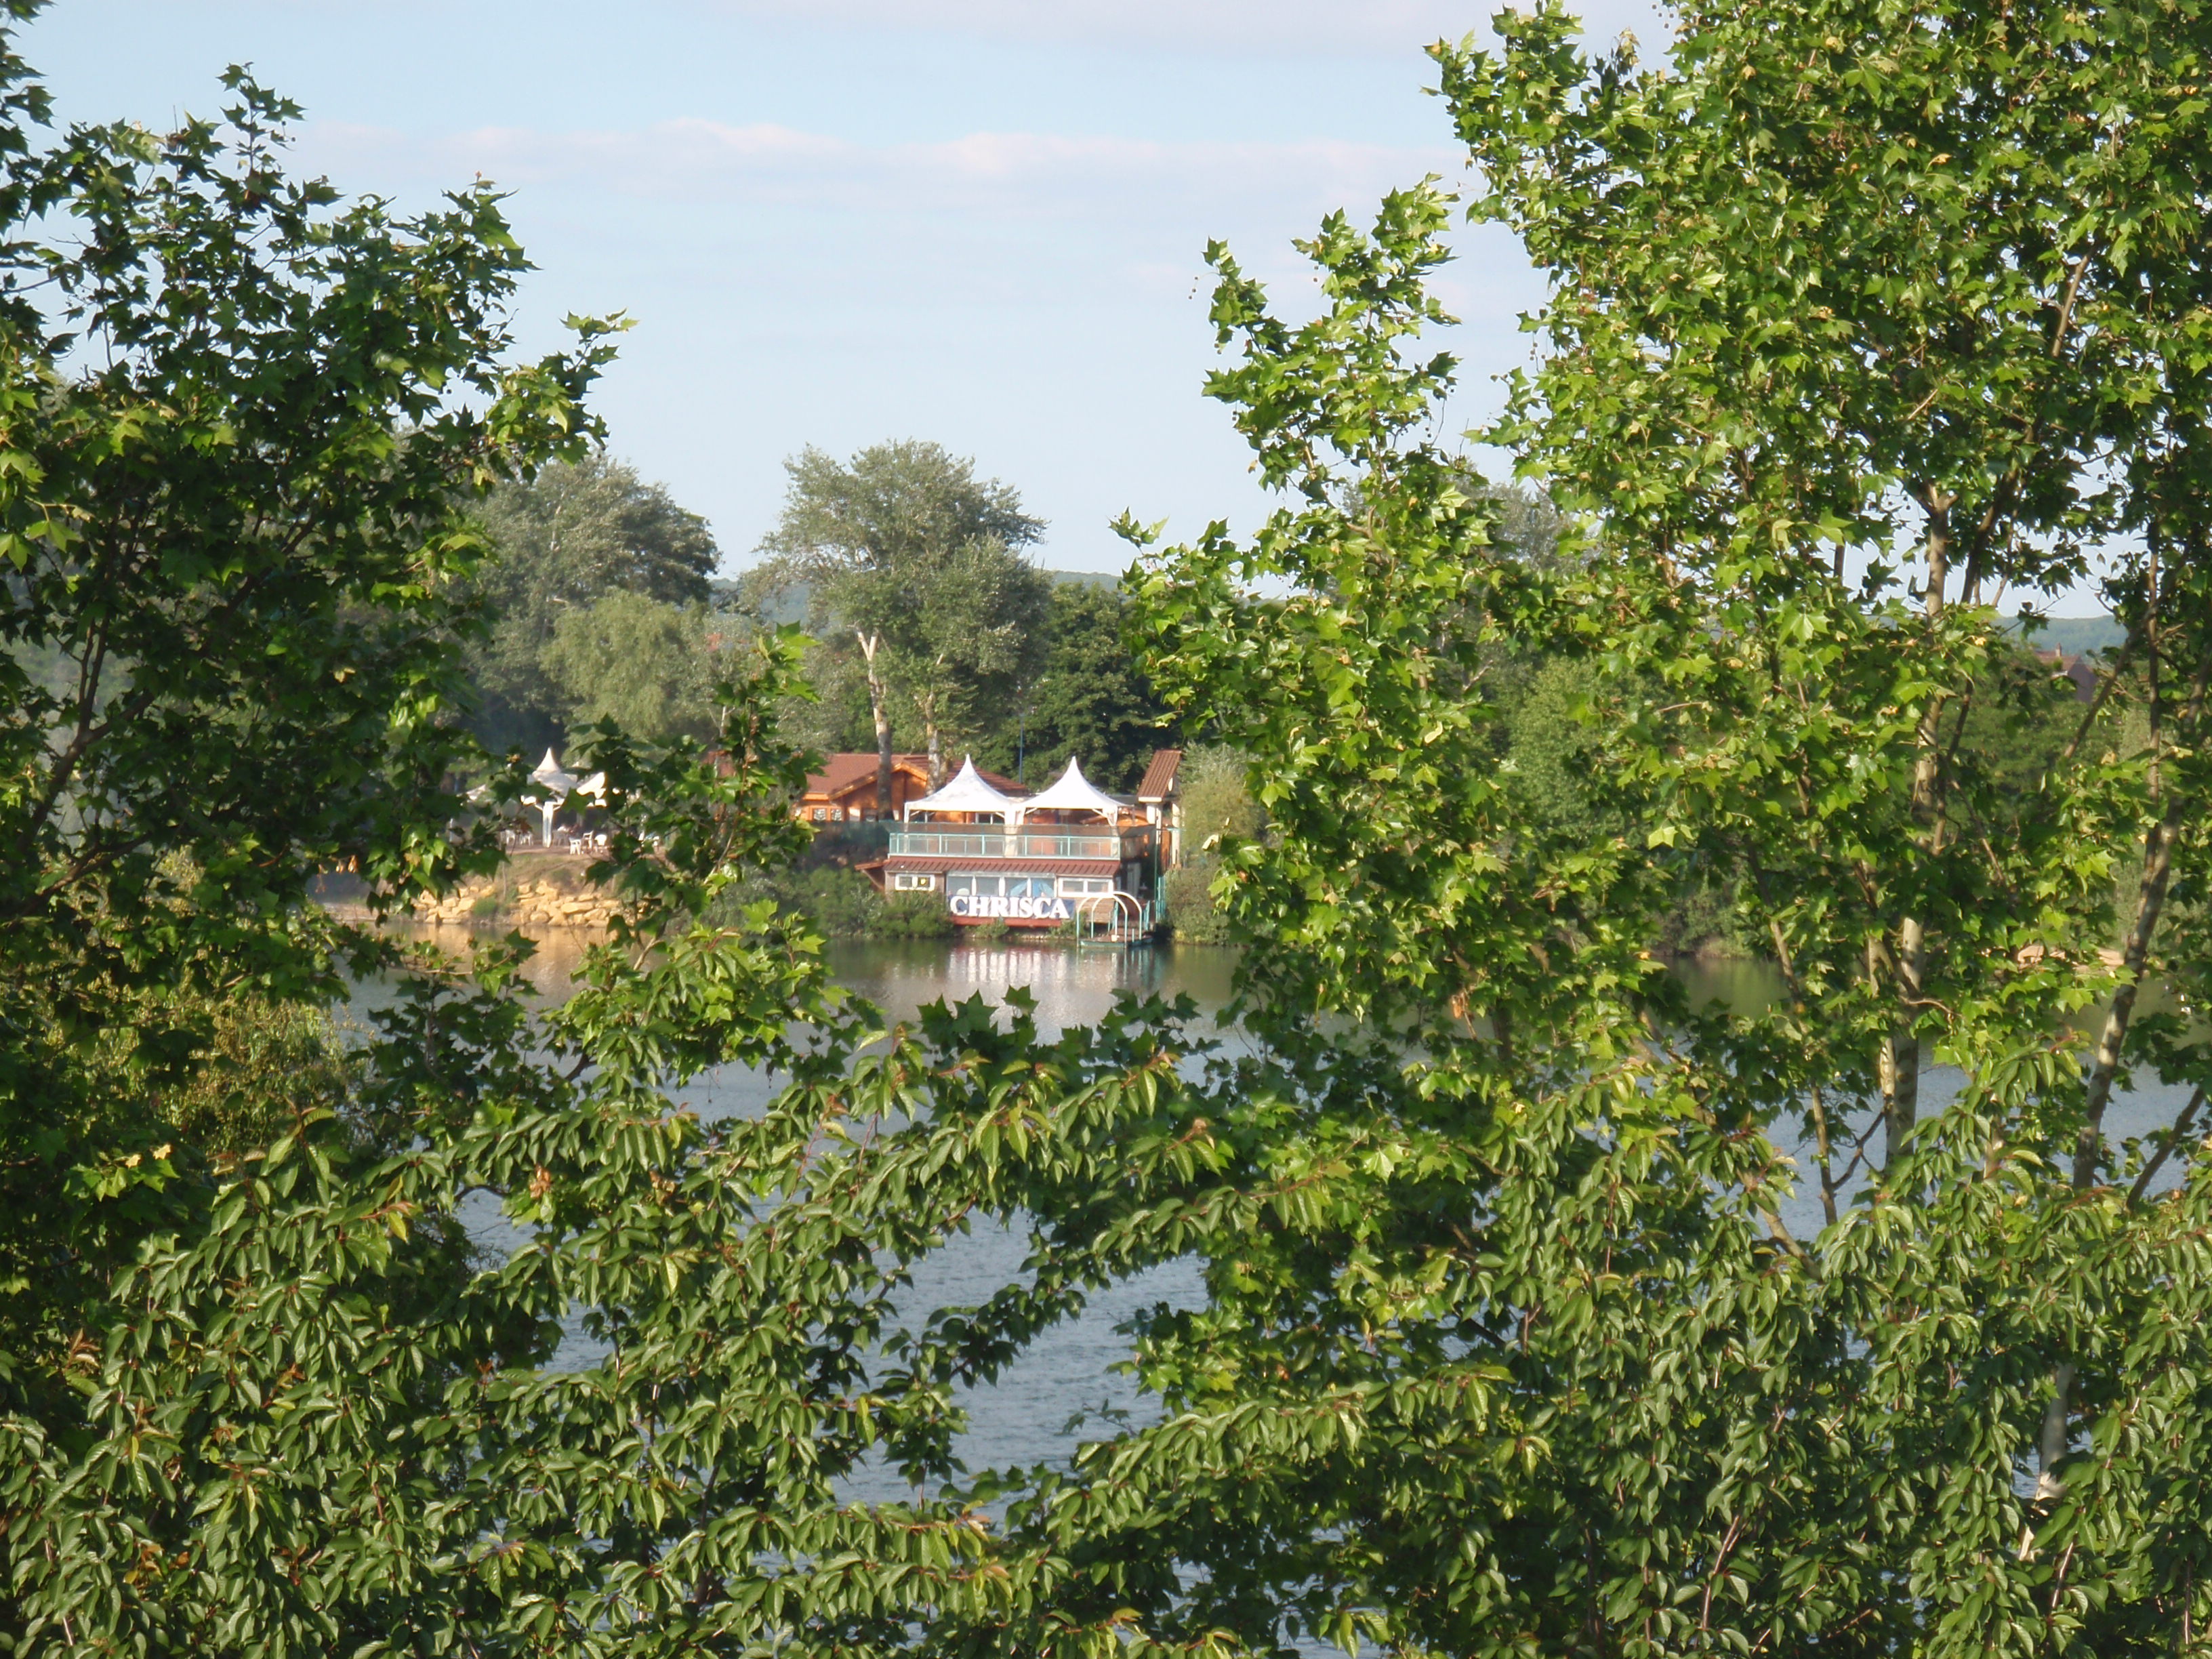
(543,890)
(520,904)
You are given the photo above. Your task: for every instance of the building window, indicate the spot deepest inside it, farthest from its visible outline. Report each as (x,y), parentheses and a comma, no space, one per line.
(1085,886)
(1000,886)
(914,884)
(821,814)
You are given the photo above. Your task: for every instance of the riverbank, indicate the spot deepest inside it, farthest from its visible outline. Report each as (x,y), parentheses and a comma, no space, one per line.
(534,890)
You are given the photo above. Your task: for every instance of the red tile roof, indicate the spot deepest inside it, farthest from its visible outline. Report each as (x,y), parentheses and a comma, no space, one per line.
(841,772)
(845,771)
(1160,776)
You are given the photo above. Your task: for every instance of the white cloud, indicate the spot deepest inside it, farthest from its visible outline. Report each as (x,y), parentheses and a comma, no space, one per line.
(1000,175)
(1258,27)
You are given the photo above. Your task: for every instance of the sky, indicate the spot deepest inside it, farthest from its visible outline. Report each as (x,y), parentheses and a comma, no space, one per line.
(839,221)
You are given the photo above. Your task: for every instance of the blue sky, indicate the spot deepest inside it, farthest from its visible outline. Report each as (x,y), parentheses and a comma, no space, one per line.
(835,221)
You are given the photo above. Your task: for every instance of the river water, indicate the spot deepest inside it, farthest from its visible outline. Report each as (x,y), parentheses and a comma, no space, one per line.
(1024,1417)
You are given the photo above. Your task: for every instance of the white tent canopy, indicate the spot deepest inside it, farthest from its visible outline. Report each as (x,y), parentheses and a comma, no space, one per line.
(967,793)
(552,776)
(1074,793)
(555,783)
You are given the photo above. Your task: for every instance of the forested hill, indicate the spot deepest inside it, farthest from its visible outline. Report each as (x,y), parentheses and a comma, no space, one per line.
(2074,634)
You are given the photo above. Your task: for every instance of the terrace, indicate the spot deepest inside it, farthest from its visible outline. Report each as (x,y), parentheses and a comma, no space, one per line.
(986,841)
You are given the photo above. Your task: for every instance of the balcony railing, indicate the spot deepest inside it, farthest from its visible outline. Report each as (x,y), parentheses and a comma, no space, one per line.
(1004,844)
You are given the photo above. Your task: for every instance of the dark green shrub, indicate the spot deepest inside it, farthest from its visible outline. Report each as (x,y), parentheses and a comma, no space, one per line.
(913,915)
(1193,916)
(841,903)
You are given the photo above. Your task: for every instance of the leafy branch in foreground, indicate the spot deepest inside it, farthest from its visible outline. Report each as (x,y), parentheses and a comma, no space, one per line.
(1545,1311)
(262,1393)
(1845,1325)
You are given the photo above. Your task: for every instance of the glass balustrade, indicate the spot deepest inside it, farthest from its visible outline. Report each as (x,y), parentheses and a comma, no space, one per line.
(1004,844)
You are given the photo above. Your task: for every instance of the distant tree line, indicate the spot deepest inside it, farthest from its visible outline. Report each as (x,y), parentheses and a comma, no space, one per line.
(936,631)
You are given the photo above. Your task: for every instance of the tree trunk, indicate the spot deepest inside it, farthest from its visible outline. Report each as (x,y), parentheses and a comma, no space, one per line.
(2135,954)
(1900,1068)
(879,707)
(933,735)
(2150,906)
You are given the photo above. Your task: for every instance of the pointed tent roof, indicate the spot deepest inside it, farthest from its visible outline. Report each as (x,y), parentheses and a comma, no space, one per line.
(552,777)
(967,793)
(1074,793)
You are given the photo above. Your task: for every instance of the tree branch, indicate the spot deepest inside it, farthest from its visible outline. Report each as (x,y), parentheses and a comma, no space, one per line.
(2181,1124)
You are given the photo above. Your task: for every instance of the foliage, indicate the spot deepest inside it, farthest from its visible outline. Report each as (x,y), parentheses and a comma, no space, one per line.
(566,539)
(234,414)
(263,1061)
(1090,699)
(1554,760)
(1542,1313)
(834,718)
(840,903)
(1557,756)
(1640,1329)
(1218,812)
(647,665)
(915,561)
(977,631)
(258,1399)
(1215,785)
(420,1475)
(914,915)
(1187,899)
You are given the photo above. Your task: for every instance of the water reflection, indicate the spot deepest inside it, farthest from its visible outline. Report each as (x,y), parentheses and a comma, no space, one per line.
(1073,985)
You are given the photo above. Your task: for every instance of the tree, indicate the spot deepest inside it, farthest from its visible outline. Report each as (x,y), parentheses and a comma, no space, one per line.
(1541,1311)
(647,667)
(874,539)
(1089,701)
(565,539)
(1580,1320)
(1996,365)
(258,1395)
(221,533)
(235,417)
(976,632)
(1217,808)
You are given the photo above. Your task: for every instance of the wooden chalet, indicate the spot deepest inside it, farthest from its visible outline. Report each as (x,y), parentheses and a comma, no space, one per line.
(844,790)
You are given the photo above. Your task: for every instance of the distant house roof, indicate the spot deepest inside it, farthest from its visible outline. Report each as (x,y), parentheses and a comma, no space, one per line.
(968,791)
(550,775)
(558,783)
(2077,668)
(841,772)
(1159,779)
